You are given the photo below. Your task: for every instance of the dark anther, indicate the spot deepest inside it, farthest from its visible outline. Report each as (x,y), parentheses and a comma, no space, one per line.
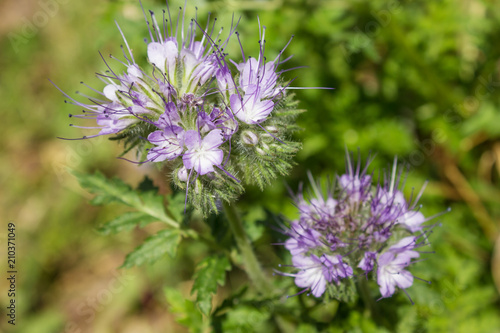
(70,115)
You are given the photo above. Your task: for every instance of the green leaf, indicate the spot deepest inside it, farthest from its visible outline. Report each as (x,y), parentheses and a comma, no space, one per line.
(305,328)
(126,222)
(154,206)
(176,205)
(210,272)
(184,310)
(154,247)
(115,190)
(108,190)
(245,318)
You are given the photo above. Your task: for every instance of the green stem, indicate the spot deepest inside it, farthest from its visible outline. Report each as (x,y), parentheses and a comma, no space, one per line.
(364,290)
(251,264)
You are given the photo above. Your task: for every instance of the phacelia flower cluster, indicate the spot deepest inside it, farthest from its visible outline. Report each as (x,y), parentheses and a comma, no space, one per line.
(215,120)
(357,229)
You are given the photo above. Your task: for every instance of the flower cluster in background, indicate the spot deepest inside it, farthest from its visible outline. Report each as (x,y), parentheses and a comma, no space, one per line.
(355,229)
(217,123)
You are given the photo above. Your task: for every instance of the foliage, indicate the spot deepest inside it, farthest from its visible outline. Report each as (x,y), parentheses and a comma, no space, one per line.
(415,79)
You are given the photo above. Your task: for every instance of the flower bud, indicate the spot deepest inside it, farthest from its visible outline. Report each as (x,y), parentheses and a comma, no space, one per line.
(249,138)
(263,149)
(182,174)
(271,129)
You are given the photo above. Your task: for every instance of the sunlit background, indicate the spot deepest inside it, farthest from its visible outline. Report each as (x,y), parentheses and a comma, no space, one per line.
(416,79)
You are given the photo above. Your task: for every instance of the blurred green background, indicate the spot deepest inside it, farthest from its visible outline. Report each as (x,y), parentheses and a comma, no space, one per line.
(417,79)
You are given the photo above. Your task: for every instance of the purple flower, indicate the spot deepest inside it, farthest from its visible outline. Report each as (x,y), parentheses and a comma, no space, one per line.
(203,154)
(169,142)
(314,272)
(225,81)
(255,75)
(197,68)
(196,65)
(164,55)
(186,104)
(388,205)
(252,100)
(356,187)
(311,273)
(391,271)
(250,108)
(337,269)
(355,223)
(368,261)
(112,120)
(317,210)
(412,220)
(302,239)
(404,245)
(170,118)
(355,183)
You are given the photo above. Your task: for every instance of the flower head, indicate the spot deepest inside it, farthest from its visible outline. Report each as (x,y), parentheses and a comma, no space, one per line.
(355,229)
(215,120)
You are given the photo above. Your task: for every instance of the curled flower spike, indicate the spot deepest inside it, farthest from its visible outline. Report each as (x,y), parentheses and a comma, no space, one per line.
(355,229)
(216,121)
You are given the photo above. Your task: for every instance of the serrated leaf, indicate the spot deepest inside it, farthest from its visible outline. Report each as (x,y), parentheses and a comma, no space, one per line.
(184,310)
(176,206)
(247,319)
(108,190)
(115,190)
(210,273)
(153,205)
(154,247)
(126,222)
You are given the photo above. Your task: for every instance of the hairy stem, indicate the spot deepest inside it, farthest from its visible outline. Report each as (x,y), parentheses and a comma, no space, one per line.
(251,264)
